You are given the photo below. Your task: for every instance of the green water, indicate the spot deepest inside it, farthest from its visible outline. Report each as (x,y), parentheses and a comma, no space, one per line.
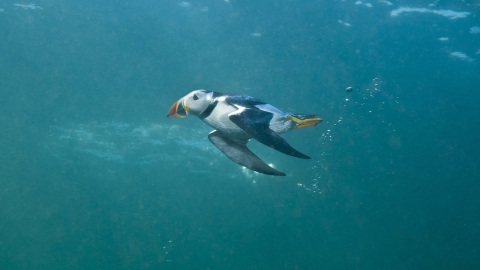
(94,176)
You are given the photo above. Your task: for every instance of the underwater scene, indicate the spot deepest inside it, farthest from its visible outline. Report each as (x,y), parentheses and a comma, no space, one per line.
(329,134)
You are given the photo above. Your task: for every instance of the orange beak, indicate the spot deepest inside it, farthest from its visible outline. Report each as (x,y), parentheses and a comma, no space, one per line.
(178,110)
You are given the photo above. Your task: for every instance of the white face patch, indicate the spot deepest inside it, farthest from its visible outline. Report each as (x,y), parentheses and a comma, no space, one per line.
(197,101)
(210,96)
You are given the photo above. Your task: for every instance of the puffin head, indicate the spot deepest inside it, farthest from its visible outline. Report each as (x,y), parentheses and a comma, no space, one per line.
(194,103)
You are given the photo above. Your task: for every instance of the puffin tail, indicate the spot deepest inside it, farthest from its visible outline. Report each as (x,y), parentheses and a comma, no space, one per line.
(304,120)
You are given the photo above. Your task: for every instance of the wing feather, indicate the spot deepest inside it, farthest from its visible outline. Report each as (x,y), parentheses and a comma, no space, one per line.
(237,151)
(256,123)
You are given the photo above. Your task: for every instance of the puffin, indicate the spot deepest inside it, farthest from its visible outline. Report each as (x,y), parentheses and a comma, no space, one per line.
(236,119)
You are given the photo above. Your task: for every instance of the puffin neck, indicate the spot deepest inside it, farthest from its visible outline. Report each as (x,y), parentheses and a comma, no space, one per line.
(206,113)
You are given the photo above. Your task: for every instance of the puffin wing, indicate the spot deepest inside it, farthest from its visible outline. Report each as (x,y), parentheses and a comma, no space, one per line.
(257,124)
(237,151)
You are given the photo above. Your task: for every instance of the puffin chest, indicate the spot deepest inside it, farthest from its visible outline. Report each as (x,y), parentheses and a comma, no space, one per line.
(219,120)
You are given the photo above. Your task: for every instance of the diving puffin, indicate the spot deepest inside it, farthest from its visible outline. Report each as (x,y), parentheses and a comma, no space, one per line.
(239,118)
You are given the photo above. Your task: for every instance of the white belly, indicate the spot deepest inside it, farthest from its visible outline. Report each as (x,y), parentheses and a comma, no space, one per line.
(279,123)
(219,120)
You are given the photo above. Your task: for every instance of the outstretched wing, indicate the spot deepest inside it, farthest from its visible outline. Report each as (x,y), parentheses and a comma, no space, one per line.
(256,123)
(237,151)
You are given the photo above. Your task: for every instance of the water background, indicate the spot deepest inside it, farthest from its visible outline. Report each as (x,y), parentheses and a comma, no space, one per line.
(94,176)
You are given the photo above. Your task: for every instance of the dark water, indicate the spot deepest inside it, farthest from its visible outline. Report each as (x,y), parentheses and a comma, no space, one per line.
(94,176)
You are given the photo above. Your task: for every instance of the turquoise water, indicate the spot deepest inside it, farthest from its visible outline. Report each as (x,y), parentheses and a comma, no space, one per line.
(94,176)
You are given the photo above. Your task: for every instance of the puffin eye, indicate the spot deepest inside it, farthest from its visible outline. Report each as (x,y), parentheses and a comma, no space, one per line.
(195,97)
